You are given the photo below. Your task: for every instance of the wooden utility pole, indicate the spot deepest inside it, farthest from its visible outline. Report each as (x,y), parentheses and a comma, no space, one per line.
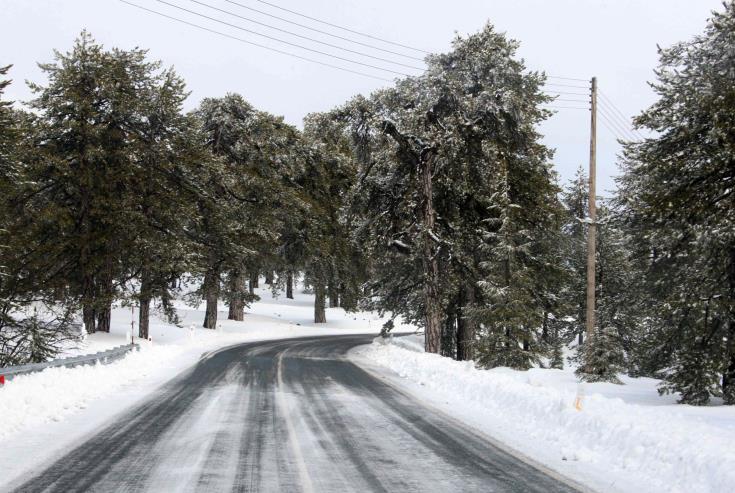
(592,215)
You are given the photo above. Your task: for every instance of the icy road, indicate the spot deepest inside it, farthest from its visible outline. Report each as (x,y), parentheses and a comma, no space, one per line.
(288,415)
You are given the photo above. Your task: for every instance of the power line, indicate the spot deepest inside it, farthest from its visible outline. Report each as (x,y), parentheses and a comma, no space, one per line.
(340,27)
(326,33)
(554,84)
(613,132)
(615,109)
(616,131)
(612,105)
(293,55)
(621,121)
(570,93)
(296,45)
(565,78)
(621,127)
(568,107)
(304,37)
(571,100)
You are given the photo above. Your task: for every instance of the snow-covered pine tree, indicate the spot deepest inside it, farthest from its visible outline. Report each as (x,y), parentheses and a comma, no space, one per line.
(678,197)
(602,357)
(332,262)
(510,335)
(248,180)
(556,353)
(575,200)
(167,150)
(76,194)
(429,150)
(619,307)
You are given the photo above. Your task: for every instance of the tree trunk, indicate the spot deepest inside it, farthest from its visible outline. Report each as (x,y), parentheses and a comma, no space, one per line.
(320,316)
(728,377)
(289,285)
(254,279)
(545,327)
(211,295)
(449,332)
(333,297)
(237,296)
(145,307)
(104,298)
(269,277)
(89,316)
(432,337)
(462,341)
(88,289)
(104,318)
(465,327)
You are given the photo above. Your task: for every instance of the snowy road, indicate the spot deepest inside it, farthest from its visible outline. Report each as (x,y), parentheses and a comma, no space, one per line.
(289,415)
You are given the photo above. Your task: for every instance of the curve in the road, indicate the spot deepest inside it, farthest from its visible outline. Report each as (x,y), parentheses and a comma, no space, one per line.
(287,415)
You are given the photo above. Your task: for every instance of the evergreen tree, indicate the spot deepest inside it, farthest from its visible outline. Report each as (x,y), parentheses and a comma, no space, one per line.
(574,292)
(614,280)
(429,151)
(253,168)
(167,156)
(332,264)
(602,357)
(74,198)
(677,197)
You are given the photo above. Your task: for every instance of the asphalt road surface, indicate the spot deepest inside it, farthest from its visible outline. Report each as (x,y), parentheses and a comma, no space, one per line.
(287,415)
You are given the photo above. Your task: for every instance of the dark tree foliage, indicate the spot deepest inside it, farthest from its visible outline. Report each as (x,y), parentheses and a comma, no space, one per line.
(678,200)
(432,200)
(455,193)
(332,261)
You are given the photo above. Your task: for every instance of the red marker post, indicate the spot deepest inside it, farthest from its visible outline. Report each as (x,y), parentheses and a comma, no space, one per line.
(2,379)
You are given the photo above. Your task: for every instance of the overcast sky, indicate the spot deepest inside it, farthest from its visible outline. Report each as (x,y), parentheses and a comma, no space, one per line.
(614,40)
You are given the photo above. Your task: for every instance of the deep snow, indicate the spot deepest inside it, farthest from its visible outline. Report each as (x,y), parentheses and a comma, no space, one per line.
(623,438)
(45,413)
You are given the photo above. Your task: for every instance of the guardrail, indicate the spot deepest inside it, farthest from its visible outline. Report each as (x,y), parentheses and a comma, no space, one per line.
(103,357)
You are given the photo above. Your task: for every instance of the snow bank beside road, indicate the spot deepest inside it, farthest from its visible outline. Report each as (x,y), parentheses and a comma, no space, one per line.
(46,413)
(614,443)
(35,399)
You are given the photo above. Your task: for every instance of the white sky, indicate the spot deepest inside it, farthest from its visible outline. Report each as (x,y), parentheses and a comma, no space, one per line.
(612,39)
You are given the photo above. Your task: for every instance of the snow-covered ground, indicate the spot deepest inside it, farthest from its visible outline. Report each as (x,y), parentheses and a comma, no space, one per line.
(46,413)
(624,438)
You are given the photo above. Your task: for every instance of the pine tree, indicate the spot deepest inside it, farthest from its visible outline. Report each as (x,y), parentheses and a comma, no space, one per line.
(73,198)
(677,197)
(253,167)
(574,198)
(429,150)
(167,157)
(331,262)
(602,357)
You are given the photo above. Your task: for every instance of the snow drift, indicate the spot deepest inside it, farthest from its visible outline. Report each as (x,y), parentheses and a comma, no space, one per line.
(624,438)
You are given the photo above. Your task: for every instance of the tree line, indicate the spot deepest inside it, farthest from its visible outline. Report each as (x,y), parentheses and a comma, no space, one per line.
(433,200)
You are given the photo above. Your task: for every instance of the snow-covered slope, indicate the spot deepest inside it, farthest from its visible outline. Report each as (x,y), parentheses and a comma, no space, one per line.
(621,439)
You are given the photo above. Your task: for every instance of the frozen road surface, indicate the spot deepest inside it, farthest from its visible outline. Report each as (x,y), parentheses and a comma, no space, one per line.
(288,415)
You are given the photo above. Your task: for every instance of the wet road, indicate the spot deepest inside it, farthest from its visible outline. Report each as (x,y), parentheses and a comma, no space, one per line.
(287,415)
